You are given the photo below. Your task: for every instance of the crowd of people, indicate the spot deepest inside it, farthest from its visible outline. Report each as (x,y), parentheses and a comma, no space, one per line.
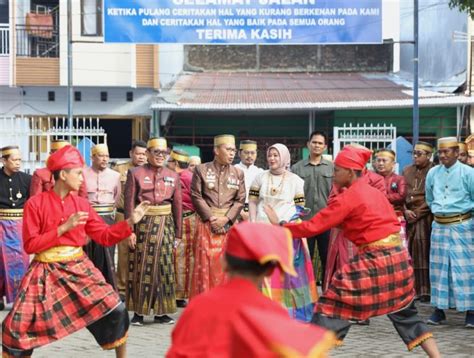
(199,234)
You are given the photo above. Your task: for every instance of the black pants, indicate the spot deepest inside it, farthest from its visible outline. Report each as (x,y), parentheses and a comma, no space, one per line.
(408,324)
(107,331)
(322,240)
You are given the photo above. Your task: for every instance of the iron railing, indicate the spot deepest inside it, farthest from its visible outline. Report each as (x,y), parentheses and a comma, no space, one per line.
(4,40)
(37,41)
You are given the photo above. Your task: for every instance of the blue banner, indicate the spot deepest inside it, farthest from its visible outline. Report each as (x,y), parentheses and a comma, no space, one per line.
(243,21)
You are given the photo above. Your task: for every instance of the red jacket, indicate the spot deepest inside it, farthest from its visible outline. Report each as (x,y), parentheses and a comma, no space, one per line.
(363,212)
(45,212)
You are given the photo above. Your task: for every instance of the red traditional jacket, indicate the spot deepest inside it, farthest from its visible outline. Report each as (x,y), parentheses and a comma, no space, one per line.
(396,188)
(232,320)
(363,212)
(186,177)
(45,212)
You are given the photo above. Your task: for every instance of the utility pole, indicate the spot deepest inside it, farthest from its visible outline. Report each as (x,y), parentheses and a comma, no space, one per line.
(69,66)
(416,110)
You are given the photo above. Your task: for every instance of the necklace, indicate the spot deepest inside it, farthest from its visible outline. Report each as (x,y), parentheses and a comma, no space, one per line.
(272,190)
(18,196)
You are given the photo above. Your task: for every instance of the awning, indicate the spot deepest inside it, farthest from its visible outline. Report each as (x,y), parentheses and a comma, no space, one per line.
(269,91)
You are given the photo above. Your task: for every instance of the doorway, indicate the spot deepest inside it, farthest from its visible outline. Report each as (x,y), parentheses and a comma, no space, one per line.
(119,136)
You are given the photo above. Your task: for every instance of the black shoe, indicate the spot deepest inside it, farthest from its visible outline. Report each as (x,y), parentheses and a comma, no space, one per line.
(437,317)
(181,303)
(165,319)
(469,323)
(2,305)
(137,320)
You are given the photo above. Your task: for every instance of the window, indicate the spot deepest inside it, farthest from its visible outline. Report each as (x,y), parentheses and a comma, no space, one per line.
(78,96)
(103,96)
(129,96)
(51,96)
(91,17)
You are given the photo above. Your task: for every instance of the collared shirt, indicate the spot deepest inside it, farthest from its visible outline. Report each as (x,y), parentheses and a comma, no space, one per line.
(450,190)
(159,186)
(250,173)
(103,187)
(14,189)
(43,180)
(218,186)
(317,182)
(416,180)
(45,212)
(363,212)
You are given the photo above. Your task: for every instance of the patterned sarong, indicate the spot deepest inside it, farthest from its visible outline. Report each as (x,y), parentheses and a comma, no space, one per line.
(340,251)
(375,282)
(151,280)
(452,265)
(55,300)
(296,294)
(184,257)
(418,236)
(102,256)
(13,259)
(208,252)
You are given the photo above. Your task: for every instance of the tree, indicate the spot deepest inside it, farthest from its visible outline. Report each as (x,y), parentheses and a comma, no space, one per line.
(463,5)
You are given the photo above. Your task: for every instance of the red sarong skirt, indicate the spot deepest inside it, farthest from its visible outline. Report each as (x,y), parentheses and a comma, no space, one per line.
(377,281)
(55,300)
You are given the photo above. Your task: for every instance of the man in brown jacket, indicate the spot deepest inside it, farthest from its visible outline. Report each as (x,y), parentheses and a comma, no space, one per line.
(218,194)
(419,217)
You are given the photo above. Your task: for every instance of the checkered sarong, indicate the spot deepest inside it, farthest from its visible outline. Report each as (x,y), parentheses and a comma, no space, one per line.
(56,300)
(452,265)
(375,282)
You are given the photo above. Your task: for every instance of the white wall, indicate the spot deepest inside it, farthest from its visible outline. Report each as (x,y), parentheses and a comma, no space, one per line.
(391,27)
(94,63)
(171,59)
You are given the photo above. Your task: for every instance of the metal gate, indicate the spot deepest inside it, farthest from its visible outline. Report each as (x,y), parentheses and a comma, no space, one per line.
(34,135)
(371,136)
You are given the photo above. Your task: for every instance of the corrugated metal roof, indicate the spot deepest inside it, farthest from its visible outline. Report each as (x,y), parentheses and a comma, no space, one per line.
(263,91)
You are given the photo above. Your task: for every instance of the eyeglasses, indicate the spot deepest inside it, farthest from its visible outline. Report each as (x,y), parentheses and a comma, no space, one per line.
(418,154)
(158,153)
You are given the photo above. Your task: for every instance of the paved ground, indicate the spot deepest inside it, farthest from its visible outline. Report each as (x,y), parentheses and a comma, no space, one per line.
(377,340)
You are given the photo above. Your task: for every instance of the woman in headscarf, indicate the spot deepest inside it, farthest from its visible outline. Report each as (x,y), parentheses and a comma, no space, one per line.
(284,191)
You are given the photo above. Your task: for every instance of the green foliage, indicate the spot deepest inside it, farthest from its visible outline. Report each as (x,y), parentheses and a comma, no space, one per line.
(463,5)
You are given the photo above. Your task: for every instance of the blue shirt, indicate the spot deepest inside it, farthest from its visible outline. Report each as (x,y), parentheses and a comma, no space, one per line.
(450,191)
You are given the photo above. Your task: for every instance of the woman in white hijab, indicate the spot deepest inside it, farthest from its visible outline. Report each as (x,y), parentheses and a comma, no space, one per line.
(284,192)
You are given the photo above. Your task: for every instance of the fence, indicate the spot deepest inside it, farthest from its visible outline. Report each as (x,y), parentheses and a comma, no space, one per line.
(4,40)
(37,41)
(371,136)
(34,135)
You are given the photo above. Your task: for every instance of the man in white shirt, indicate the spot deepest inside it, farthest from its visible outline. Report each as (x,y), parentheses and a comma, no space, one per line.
(248,155)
